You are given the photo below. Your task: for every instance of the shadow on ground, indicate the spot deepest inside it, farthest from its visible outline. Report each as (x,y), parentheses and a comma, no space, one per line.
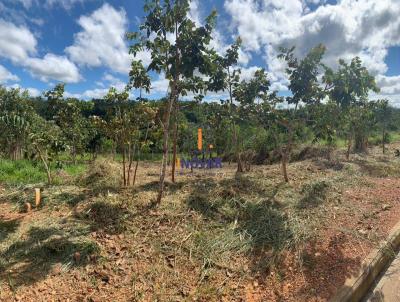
(31,259)
(327,263)
(8,227)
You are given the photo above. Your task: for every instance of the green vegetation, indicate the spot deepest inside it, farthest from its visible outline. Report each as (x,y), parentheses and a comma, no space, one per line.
(20,172)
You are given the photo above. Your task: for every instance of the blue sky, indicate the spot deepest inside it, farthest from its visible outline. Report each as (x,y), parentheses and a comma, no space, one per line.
(81,42)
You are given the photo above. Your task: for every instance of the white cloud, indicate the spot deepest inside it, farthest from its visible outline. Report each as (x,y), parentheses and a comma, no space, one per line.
(7,76)
(219,41)
(102,41)
(114,81)
(72,95)
(95,93)
(53,67)
(350,28)
(33,92)
(160,85)
(26,3)
(17,43)
(66,4)
(389,85)
(108,80)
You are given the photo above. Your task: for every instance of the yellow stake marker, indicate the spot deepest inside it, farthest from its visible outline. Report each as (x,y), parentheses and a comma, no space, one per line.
(37,197)
(200,139)
(178,163)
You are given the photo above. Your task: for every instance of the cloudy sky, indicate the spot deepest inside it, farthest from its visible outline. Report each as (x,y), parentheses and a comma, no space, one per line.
(81,42)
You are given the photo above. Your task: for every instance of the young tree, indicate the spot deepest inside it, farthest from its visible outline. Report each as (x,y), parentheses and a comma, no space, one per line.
(349,87)
(249,94)
(306,89)
(16,117)
(383,115)
(45,139)
(118,125)
(324,123)
(127,124)
(67,114)
(178,48)
(226,77)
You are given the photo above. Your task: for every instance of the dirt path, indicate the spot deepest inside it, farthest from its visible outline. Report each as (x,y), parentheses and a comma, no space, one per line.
(388,288)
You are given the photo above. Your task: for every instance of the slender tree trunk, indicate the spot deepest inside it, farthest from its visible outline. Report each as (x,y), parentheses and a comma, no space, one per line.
(348,150)
(139,154)
(383,140)
(349,140)
(135,173)
(130,160)
(173,98)
(124,164)
(46,166)
(114,149)
(174,146)
(284,165)
(165,145)
(74,151)
(237,150)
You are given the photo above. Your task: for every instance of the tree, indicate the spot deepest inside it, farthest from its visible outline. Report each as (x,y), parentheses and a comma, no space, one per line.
(325,123)
(178,48)
(226,77)
(54,99)
(67,114)
(45,138)
(247,93)
(118,125)
(127,124)
(383,115)
(306,89)
(16,117)
(349,87)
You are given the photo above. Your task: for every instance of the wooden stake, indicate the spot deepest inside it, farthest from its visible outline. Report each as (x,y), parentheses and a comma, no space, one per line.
(37,197)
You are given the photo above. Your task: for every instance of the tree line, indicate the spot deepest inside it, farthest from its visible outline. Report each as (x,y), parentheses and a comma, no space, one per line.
(325,104)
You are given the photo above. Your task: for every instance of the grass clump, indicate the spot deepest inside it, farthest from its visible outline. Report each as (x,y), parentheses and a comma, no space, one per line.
(107,215)
(103,175)
(314,193)
(246,224)
(21,172)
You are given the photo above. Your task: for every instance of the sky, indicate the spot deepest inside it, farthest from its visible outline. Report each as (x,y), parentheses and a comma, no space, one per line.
(82,42)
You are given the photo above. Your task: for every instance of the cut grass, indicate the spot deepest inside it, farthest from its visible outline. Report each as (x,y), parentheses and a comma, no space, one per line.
(43,243)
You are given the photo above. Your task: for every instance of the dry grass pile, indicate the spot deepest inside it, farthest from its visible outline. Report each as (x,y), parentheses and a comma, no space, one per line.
(103,175)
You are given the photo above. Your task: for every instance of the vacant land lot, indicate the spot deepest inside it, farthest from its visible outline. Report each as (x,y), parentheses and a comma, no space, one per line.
(217,235)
